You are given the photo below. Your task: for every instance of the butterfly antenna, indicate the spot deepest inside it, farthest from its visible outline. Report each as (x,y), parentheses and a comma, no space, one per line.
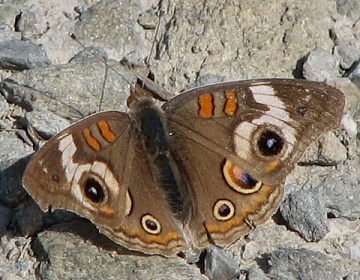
(161,14)
(103,87)
(107,66)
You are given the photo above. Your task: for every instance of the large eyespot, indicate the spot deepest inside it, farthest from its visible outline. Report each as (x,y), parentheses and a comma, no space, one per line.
(94,191)
(223,210)
(238,180)
(270,143)
(150,224)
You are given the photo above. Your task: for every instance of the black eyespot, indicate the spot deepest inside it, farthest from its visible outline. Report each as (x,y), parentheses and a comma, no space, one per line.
(224,210)
(150,224)
(94,191)
(270,143)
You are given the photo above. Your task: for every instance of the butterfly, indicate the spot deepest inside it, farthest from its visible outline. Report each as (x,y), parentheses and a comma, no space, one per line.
(204,168)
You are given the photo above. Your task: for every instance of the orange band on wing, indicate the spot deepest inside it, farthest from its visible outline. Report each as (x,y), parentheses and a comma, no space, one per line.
(273,166)
(106,132)
(90,140)
(231,103)
(107,210)
(206,105)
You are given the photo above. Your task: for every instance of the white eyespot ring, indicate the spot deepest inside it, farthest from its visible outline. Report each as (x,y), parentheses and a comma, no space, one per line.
(238,180)
(150,224)
(223,210)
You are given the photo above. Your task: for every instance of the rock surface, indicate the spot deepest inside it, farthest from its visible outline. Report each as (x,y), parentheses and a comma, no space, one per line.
(199,42)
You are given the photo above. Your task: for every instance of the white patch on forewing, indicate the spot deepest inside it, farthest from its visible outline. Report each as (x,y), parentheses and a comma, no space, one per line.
(68,149)
(262,89)
(280,114)
(265,94)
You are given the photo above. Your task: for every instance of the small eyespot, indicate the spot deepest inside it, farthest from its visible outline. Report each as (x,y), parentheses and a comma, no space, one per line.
(150,224)
(270,143)
(223,210)
(94,190)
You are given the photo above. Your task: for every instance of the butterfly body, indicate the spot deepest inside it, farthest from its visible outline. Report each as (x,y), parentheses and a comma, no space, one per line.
(204,168)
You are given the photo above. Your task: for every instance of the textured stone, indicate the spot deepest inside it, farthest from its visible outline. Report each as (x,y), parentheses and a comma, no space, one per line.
(304,212)
(199,42)
(20,55)
(294,264)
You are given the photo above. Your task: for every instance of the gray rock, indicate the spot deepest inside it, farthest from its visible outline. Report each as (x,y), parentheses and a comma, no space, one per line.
(350,8)
(341,195)
(198,41)
(17,261)
(331,149)
(354,73)
(353,276)
(320,65)
(8,14)
(20,55)
(342,32)
(7,34)
(350,125)
(352,95)
(46,123)
(12,165)
(294,264)
(29,219)
(348,54)
(304,212)
(70,256)
(62,89)
(220,266)
(347,42)
(352,246)
(95,28)
(11,191)
(255,273)
(90,52)
(4,109)
(30,24)
(9,276)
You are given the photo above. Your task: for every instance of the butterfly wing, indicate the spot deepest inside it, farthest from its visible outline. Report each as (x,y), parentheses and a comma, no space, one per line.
(97,168)
(262,125)
(237,141)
